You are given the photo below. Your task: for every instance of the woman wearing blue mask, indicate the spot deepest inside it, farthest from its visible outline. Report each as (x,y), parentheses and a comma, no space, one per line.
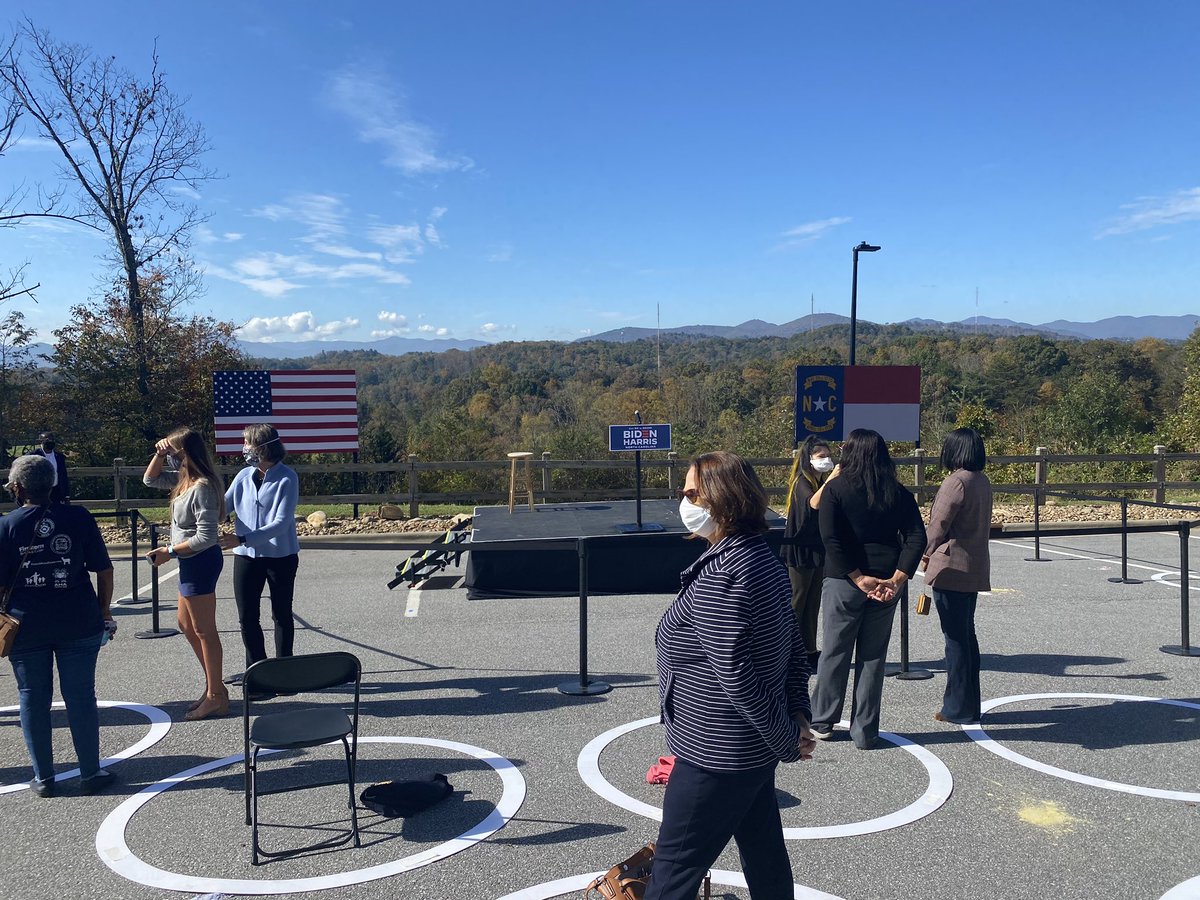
(803,551)
(266,548)
(733,690)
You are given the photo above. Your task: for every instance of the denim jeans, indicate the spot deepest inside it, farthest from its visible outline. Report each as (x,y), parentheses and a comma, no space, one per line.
(77,682)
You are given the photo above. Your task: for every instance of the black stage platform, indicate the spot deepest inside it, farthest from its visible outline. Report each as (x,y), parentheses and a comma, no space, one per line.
(645,563)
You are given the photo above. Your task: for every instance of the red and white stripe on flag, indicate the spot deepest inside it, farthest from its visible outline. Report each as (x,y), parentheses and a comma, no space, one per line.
(886,399)
(314,410)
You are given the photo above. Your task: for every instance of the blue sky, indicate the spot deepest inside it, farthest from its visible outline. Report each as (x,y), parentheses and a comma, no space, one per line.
(545,170)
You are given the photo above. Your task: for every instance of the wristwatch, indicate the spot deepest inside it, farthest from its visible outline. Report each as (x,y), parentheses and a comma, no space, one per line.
(171,551)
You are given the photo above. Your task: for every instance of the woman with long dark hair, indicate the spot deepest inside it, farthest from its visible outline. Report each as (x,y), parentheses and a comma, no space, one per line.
(958,566)
(181,464)
(733,690)
(874,537)
(803,551)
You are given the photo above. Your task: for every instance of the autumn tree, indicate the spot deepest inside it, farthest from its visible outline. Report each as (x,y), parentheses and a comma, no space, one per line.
(18,375)
(1182,427)
(134,158)
(95,358)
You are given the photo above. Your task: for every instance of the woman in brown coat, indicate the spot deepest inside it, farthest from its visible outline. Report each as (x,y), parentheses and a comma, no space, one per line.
(958,567)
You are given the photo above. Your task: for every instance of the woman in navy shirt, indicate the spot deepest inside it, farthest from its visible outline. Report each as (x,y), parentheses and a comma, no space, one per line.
(733,689)
(46,553)
(266,548)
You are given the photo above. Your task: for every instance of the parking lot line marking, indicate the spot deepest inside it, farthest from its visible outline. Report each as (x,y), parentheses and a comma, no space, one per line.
(162,576)
(414,603)
(1108,559)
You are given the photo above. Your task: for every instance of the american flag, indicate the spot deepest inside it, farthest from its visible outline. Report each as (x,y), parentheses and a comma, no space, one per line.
(314,411)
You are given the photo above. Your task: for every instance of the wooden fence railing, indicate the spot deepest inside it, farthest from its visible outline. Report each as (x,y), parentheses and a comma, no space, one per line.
(662,476)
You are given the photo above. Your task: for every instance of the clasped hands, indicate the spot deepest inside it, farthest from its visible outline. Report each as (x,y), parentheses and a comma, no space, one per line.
(881,590)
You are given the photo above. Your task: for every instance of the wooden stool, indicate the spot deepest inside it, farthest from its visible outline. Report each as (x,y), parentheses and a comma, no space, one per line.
(520,479)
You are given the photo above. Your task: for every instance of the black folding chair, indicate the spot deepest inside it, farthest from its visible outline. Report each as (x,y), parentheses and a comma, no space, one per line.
(298,728)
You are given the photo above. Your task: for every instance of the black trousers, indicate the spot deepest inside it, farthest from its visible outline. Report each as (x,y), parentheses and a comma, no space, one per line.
(702,810)
(250,575)
(956,610)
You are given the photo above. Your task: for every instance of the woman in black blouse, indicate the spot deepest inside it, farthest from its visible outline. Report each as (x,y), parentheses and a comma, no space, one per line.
(874,537)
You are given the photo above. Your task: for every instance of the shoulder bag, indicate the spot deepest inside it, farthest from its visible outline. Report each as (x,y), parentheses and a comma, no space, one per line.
(9,625)
(627,880)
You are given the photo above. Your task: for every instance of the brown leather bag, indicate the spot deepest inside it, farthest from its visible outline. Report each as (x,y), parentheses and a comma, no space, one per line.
(627,880)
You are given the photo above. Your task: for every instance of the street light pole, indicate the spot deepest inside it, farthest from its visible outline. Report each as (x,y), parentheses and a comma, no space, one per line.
(863,247)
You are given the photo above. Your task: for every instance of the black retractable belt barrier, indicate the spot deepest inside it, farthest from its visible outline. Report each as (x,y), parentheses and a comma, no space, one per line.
(1037,528)
(1184,647)
(1125,579)
(584,687)
(155,631)
(903,671)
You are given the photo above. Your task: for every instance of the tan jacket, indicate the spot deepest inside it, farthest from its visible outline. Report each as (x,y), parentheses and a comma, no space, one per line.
(959,527)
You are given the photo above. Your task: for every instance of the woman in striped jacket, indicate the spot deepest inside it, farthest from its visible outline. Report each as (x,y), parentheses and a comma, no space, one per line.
(733,687)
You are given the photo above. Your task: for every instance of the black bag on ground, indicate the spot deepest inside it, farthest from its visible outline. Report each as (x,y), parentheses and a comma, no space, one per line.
(405,798)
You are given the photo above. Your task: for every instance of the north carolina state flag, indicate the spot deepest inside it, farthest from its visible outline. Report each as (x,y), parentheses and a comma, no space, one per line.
(831,401)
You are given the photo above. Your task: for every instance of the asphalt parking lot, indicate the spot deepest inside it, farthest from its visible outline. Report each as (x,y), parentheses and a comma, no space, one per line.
(1097,792)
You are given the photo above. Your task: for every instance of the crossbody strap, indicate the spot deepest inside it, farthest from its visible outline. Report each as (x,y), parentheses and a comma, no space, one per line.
(7,595)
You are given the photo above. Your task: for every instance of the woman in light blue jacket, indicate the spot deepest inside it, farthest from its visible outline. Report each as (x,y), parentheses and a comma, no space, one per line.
(266,548)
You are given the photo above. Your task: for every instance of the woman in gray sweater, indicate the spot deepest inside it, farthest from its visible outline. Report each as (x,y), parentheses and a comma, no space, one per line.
(181,464)
(958,566)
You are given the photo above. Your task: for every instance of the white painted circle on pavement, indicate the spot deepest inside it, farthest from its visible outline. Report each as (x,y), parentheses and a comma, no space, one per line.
(160,724)
(1189,890)
(941,783)
(978,734)
(111,846)
(577,883)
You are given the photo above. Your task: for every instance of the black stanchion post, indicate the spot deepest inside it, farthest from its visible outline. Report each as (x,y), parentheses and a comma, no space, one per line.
(903,672)
(1125,579)
(155,631)
(1185,647)
(1037,528)
(584,687)
(133,552)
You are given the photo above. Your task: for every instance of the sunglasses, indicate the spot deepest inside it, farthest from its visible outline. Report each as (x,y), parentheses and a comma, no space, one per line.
(690,494)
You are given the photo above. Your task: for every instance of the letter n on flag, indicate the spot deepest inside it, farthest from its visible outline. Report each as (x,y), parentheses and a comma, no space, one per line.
(886,399)
(314,410)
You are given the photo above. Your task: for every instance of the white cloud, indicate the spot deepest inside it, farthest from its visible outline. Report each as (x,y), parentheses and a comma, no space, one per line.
(392,318)
(378,112)
(437,212)
(232,236)
(442,332)
(298,326)
(389,332)
(1152,212)
(345,252)
(809,232)
(492,329)
(324,215)
(426,329)
(489,327)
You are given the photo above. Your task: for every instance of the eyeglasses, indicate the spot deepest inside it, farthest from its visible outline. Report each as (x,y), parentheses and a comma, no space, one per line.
(689,495)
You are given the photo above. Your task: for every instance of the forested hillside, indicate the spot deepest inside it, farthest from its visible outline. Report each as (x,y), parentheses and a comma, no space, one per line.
(1022,391)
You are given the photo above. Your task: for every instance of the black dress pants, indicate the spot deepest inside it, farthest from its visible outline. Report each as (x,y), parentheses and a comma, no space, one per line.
(702,810)
(250,575)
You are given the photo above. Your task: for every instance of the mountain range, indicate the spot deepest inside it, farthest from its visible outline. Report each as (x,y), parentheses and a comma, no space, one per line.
(1120,328)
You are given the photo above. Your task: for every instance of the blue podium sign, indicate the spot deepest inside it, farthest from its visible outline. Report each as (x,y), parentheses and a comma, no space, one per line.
(639,437)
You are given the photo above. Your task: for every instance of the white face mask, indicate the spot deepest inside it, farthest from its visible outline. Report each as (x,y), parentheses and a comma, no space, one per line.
(821,463)
(696,519)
